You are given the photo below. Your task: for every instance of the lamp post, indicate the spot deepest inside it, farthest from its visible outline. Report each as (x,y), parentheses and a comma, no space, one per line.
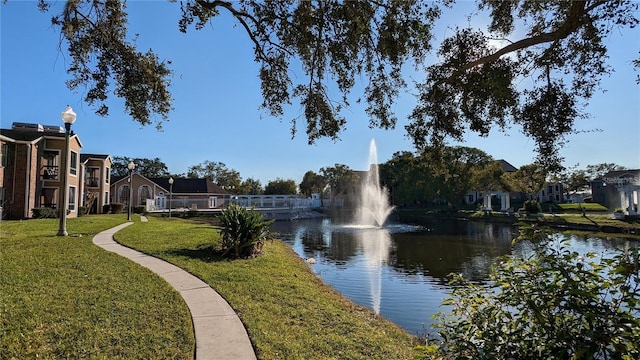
(68,117)
(131,166)
(170,193)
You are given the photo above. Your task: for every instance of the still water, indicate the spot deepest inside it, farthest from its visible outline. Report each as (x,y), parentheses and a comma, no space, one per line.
(400,271)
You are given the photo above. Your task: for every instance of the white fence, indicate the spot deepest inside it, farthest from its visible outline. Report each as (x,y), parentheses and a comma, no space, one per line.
(274,201)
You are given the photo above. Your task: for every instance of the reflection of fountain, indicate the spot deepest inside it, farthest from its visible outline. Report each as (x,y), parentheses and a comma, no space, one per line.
(374,207)
(376,245)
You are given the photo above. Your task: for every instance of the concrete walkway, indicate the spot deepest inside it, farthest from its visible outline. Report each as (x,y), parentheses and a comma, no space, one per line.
(218,330)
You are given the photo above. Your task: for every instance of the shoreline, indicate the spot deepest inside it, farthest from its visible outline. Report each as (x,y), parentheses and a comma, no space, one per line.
(592,223)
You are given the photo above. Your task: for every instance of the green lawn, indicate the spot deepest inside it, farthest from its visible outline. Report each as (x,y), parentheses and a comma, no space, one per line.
(63,297)
(586,206)
(289,313)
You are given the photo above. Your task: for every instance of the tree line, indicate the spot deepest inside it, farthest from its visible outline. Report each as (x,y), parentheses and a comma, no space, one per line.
(435,175)
(217,172)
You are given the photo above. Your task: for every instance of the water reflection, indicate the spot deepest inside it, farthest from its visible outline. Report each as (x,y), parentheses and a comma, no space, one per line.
(468,248)
(375,245)
(401,272)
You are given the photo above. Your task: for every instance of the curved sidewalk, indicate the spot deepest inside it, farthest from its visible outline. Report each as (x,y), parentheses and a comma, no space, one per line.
(218,330)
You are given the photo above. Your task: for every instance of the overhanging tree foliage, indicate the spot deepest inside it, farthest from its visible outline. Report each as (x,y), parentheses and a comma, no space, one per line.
(555,45)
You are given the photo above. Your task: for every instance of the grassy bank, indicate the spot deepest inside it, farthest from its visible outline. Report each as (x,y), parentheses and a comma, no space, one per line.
(289,313)
(63,297)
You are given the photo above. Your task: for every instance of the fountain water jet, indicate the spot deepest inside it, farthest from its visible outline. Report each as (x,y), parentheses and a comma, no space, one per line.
(373,208)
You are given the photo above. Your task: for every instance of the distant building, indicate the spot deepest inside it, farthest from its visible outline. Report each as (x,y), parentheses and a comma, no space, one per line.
(551,192)
(486,195)
(618,189)
(158,194)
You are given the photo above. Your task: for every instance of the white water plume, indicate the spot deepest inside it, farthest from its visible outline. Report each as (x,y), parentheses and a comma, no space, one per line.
(373,208)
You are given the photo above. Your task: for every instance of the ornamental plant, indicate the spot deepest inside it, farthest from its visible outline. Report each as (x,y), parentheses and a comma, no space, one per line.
(552,303)
(243,231)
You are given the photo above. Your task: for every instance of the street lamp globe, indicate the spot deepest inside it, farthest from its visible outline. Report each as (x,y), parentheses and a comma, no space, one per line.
(68,116)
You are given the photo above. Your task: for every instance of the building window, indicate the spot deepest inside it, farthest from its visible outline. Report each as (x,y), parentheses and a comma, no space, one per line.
(144,194)
(49,197)
(123,194)
(73,163)
(72,197)
(106,198)
(213,202)
(4,154)
(93,177)
(107,175)
(50,167)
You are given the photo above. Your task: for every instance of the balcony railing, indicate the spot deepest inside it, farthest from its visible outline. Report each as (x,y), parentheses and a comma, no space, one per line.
(50,172)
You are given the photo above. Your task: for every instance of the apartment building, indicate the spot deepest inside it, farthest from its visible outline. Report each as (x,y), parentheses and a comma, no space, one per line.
(31,174)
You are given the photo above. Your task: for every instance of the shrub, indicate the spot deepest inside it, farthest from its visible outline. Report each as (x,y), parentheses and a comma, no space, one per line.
(551,304)
(82,210)
(116,208)
(532,207)
(139,209)
(106,208)
(243,232)
(44,213)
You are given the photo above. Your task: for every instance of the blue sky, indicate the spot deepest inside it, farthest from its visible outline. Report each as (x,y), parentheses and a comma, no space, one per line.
(217,95)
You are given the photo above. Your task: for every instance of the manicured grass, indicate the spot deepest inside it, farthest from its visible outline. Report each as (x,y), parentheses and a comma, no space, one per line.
(63,297)
(585,206)
(288,312)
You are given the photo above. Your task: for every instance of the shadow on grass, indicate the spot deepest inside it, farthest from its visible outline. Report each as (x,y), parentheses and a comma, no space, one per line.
(203,252)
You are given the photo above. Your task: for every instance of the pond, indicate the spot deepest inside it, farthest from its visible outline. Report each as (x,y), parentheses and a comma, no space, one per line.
(401,271)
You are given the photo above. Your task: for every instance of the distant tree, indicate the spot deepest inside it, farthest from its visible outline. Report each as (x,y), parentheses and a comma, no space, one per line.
(312,183)
(453,170)
(573,180)
(409,179)
(475,84)
(340,179)
(529,179)
(599,170)
(218,172)
(281,187)
(250,186)
(488,177)
(150,168)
